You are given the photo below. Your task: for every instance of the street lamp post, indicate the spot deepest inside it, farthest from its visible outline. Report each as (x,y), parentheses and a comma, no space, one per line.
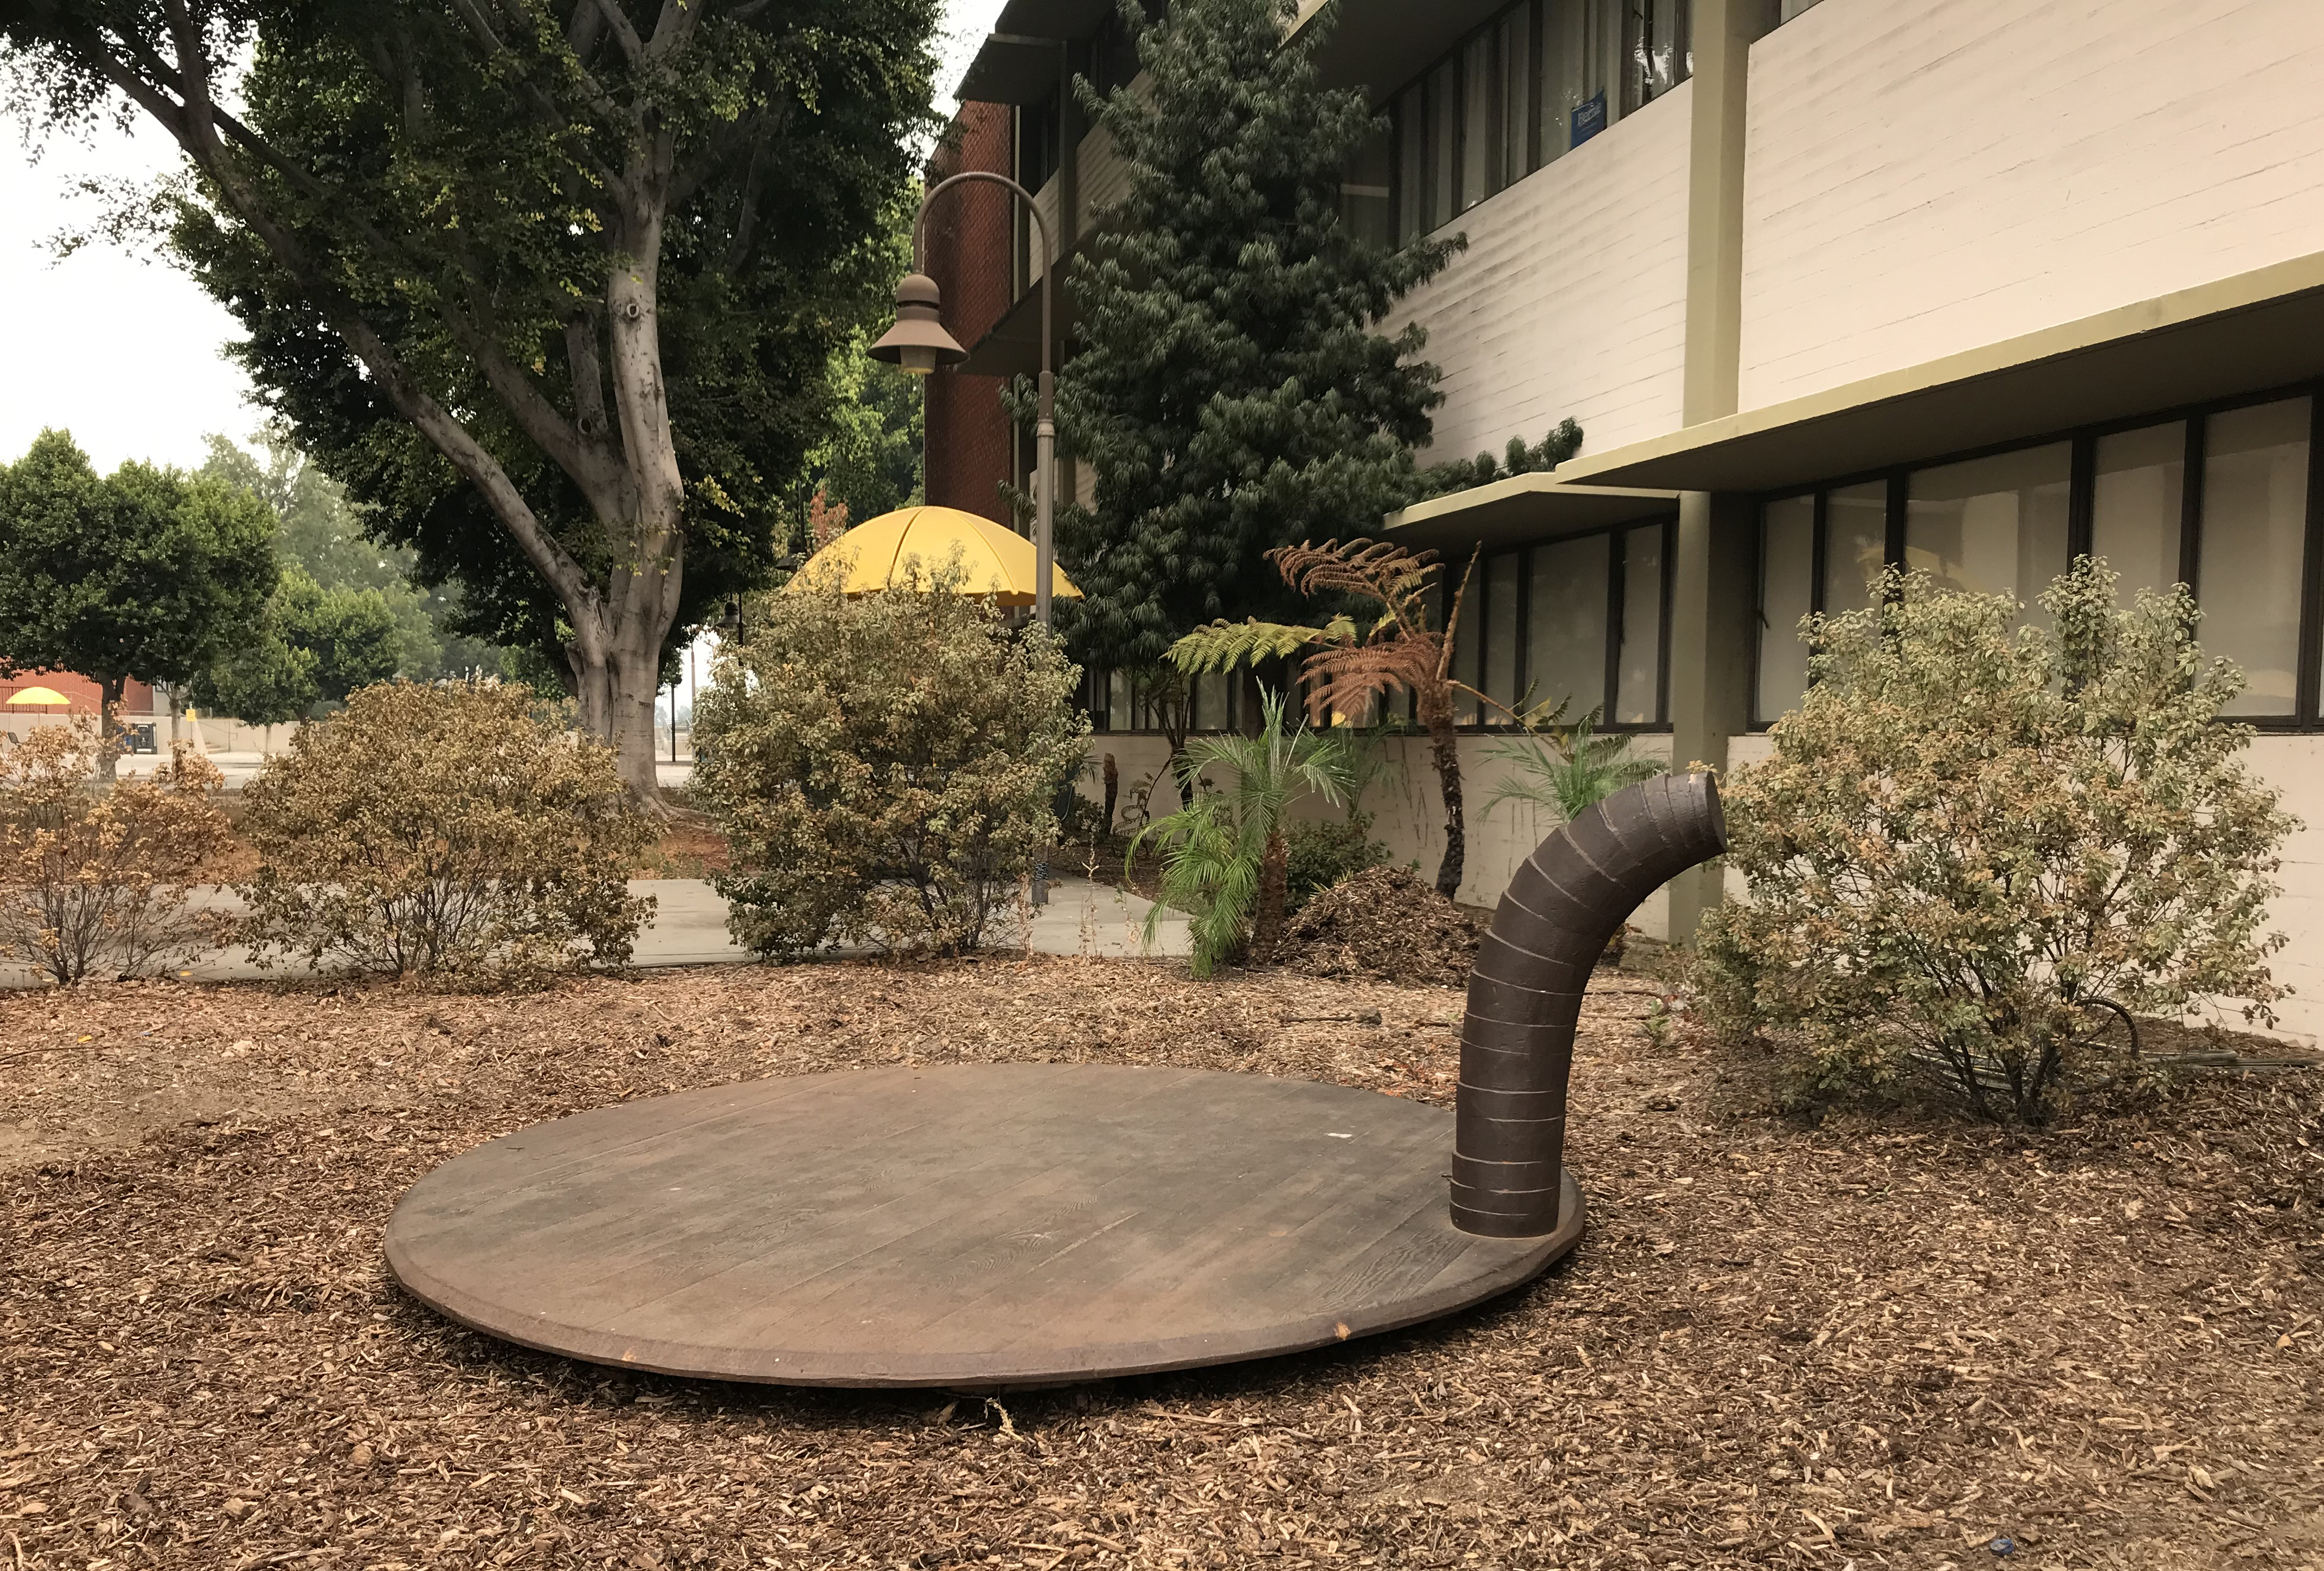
(919,343)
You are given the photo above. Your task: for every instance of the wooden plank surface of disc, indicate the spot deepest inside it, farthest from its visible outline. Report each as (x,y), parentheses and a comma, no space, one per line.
(962,1225)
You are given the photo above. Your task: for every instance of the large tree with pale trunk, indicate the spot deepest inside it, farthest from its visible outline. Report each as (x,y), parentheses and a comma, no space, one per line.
(553,286)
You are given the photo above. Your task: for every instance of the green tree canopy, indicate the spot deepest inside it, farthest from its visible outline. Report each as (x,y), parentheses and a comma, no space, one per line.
(1229,386)
(320,531)
(315,644)
(143,573)
(552,285)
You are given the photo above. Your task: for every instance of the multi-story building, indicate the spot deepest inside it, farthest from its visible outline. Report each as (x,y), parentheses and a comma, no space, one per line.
(1968,285)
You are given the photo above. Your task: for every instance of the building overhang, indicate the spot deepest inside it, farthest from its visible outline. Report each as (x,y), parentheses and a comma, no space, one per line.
(1520,508)
(1381,44)
(1019,62)
(2255,331)
(1012,348)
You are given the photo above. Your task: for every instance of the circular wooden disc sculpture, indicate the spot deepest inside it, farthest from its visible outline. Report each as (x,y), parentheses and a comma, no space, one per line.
(990,1225)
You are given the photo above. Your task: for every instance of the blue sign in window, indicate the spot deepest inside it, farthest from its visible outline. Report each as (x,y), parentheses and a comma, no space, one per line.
(1589,118)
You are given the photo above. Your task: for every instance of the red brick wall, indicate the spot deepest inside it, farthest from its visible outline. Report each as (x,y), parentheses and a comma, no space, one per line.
(970,254)
(136,698)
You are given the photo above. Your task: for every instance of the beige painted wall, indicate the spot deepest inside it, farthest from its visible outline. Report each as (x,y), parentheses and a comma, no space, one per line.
(1925,179)
(1571,296)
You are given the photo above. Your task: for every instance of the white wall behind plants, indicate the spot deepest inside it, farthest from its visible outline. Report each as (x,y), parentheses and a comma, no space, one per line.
(1408,815)
(1923,179)
(1570,299)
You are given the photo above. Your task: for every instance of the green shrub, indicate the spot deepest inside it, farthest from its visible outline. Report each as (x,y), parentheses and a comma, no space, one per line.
(884,768)
(444,829)
(1226,854)
(1326,853)
(1968,837)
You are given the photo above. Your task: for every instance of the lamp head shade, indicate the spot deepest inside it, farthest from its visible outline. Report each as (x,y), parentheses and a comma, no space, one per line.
(918,342)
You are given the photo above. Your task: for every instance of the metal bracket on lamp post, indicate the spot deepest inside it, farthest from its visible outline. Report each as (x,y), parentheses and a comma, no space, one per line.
(919,343)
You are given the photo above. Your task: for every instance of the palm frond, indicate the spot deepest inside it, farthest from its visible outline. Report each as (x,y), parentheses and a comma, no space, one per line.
(1567,770)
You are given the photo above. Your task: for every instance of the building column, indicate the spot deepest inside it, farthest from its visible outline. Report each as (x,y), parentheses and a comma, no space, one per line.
(1714,577)
(1712,649)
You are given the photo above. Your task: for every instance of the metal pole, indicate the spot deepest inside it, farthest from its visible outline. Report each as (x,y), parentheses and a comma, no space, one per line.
(1045,427)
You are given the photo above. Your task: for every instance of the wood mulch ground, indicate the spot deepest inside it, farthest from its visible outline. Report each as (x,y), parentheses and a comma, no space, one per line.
(1870,1341)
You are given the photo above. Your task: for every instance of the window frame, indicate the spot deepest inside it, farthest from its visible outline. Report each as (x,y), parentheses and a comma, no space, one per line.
(2308,704)
(1617,574)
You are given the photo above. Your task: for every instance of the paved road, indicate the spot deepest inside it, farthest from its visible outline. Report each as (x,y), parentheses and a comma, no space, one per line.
(688,928)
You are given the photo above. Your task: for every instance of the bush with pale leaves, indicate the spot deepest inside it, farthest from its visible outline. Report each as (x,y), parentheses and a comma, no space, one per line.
(97,879)
(1974,838)
(884,768)
(448,829)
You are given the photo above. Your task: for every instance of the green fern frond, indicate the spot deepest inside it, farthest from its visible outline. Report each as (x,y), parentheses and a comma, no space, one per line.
(1223,646)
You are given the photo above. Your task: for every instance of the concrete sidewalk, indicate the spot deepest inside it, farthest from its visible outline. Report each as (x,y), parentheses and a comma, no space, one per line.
(688,928)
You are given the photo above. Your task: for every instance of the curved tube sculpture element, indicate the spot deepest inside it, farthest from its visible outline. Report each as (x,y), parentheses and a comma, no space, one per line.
(1525,998)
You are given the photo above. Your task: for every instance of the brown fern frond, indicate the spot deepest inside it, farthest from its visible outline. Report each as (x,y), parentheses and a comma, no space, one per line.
(1396,577)
(1351,678)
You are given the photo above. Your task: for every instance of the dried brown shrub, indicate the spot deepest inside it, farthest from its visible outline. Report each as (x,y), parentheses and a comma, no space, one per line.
(1383,924)
(96,880)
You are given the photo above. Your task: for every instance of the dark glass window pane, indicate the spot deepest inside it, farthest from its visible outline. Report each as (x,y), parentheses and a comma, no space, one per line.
(1117,715)
(1479,140)
(1365,191)
(2254,524)
(1501,633)
(1638,668)
(1856,544)
(1443,142)
(1412,163)
(1786,590)
(1565,631)
(1653,50)
(1517,92)
(1993,525)
(1467,643)
(2137,499)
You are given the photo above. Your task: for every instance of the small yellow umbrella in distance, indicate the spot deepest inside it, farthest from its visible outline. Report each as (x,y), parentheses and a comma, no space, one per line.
(876,554)
(41,697)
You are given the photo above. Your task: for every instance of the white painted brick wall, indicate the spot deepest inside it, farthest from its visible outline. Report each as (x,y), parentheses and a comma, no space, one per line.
(1571,296)
(1927,177)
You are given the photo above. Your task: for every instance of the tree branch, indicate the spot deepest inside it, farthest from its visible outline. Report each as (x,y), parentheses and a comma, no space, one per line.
(623,34)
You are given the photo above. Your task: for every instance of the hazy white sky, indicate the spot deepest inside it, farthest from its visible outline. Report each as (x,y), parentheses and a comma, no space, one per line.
(122,350)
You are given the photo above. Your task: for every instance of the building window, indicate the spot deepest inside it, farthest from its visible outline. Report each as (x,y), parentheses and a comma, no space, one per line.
(2253,526)
(1638,697)
(1540,78)
(1787,577)
(1794,7)
(1855,545)
(2221,500)
(1654,51)
(1992,526)
(1577,621)
(2138,506)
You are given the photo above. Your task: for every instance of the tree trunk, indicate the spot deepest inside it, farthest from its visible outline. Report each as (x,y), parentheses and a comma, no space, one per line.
(1445,752)
(1274,895)
(108,727)
(1112,790)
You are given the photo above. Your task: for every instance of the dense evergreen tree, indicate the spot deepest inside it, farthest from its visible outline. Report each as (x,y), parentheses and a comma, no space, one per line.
(1228,383)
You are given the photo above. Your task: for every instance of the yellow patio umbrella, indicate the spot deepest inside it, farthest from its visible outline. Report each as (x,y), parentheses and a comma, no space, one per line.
(43,697)
(876,554)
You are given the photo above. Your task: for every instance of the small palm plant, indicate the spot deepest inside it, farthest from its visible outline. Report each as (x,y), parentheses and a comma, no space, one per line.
(1352,668)
(1567,769)
(1225,855)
